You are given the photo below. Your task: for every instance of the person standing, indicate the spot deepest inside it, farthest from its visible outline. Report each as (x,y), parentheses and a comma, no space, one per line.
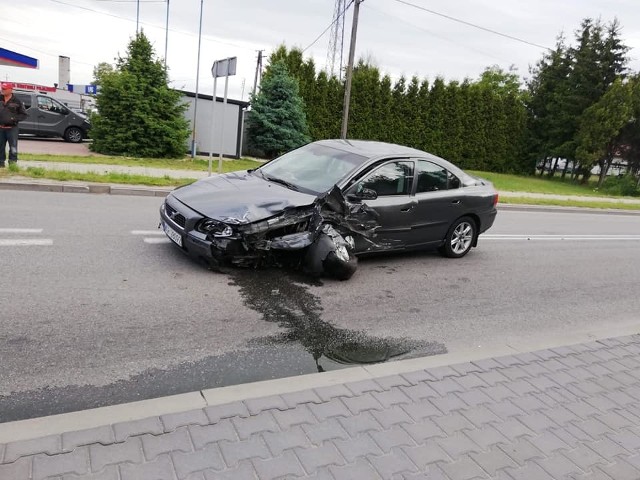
(11,112)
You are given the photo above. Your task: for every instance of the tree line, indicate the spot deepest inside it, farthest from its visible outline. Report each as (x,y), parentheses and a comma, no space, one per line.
(579,103)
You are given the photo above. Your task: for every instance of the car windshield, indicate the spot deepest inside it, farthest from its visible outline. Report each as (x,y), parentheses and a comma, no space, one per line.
(313,167)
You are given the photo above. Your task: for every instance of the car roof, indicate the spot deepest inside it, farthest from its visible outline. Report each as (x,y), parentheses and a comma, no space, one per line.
(370,148)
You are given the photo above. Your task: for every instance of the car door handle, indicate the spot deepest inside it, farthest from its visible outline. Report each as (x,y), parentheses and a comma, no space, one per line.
(408,209)
(455,202)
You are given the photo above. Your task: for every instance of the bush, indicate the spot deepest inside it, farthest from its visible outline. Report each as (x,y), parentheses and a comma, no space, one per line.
(625,185)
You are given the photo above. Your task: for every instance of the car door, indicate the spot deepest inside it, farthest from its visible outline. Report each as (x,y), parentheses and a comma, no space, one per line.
(51,116)
(440,200)
(29,124)
(392,181)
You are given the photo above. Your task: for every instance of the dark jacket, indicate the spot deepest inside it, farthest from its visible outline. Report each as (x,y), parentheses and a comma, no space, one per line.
(11,112)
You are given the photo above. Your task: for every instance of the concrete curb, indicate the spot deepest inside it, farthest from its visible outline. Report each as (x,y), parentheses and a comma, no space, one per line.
(74,421)
(84,188)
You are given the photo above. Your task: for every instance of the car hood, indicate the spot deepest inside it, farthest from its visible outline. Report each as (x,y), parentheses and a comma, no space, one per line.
(240,198)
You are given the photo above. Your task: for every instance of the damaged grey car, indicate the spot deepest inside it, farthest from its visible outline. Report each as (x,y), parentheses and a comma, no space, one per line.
(320,206)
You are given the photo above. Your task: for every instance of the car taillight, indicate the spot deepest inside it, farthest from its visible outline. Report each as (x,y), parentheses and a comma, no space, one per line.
(495,199)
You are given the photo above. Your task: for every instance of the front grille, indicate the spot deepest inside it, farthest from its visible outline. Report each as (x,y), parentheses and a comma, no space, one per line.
(178,218)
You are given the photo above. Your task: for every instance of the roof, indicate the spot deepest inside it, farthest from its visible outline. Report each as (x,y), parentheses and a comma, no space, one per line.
(370,148)
(242,103)
(13,59)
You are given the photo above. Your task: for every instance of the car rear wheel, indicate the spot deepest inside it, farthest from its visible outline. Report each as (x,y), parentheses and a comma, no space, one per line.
(73,135)
(459,239)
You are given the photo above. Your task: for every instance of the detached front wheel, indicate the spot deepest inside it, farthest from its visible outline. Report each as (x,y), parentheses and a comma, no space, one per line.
(459,239)
(331,254)
(340,265)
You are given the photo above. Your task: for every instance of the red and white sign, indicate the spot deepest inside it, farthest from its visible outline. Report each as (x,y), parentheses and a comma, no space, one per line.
(36,88)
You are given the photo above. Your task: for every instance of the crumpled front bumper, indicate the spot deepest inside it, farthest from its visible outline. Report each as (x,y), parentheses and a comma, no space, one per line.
(265,241)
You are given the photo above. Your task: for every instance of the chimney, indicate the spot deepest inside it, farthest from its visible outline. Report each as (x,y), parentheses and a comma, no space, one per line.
(64,71)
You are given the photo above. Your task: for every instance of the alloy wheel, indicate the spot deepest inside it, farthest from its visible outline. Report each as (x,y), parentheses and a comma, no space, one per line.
(462,238)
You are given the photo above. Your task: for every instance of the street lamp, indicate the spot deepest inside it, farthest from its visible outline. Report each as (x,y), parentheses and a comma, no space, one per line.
(166,37)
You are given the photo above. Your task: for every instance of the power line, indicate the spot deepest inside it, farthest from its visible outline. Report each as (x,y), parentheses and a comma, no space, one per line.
(441,37)
(472,24)
(330,25)
(150,24)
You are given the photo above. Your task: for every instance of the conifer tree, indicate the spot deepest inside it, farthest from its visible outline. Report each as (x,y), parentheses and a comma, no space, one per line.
(138,114)
(278,122)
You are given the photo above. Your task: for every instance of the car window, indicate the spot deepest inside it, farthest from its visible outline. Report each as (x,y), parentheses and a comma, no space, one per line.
(45,103)
(25,99)
(392,178)
(57,106)
(432,178)
(50,105)
(313,167)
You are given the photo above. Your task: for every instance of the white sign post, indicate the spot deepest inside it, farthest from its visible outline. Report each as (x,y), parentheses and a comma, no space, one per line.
(221,68)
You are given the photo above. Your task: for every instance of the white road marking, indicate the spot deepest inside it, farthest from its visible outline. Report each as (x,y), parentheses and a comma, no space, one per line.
(561,237)
(147,232)
(152,240)
(21,242)
(20,230)
(157,240)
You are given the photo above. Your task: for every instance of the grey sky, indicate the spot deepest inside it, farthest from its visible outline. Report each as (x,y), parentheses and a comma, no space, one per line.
(398,38)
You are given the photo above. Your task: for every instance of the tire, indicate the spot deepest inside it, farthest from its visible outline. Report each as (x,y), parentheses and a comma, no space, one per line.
(73,135)
(338,268)
(330,255)
(460,238)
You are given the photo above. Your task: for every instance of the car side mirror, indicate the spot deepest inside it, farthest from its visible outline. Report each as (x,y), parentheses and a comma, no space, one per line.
(364,194)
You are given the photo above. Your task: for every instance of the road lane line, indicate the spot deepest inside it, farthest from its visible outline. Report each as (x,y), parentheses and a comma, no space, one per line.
(20,230)
(562,237)
(147,232)
(156,240)
(21,242)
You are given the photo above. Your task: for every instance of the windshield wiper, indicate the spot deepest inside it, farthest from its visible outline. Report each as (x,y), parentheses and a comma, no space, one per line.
(281,182)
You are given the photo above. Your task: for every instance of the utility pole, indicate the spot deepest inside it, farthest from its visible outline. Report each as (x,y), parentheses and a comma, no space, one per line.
(347,87)
(258,72)
(137,15)
(195,103)
(166,38)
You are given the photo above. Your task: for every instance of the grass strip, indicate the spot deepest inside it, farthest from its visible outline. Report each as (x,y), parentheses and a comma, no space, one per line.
(187,163)
(118,178)
(569,203)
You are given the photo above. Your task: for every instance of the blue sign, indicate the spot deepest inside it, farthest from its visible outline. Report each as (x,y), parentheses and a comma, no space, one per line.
(85,89)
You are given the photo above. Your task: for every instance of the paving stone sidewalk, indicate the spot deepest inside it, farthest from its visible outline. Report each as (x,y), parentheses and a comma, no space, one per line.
(563,413)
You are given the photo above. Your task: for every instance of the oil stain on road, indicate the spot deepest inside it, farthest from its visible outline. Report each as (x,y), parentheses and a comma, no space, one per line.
(307,344)
(284,298)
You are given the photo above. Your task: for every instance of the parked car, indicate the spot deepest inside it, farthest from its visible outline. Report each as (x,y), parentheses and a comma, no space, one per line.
(47,117)
(321,205)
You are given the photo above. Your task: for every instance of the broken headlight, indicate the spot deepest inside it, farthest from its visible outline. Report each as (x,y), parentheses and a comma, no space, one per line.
(213,227)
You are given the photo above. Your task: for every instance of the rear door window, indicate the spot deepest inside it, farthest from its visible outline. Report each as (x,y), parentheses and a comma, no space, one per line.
(432,178)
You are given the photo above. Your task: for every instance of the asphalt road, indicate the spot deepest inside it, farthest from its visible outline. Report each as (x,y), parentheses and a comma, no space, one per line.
(97,308)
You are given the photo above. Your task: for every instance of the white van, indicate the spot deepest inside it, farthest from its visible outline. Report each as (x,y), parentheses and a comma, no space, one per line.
(47,117)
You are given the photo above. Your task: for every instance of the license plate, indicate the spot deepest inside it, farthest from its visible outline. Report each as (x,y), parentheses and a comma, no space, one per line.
(172,234)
